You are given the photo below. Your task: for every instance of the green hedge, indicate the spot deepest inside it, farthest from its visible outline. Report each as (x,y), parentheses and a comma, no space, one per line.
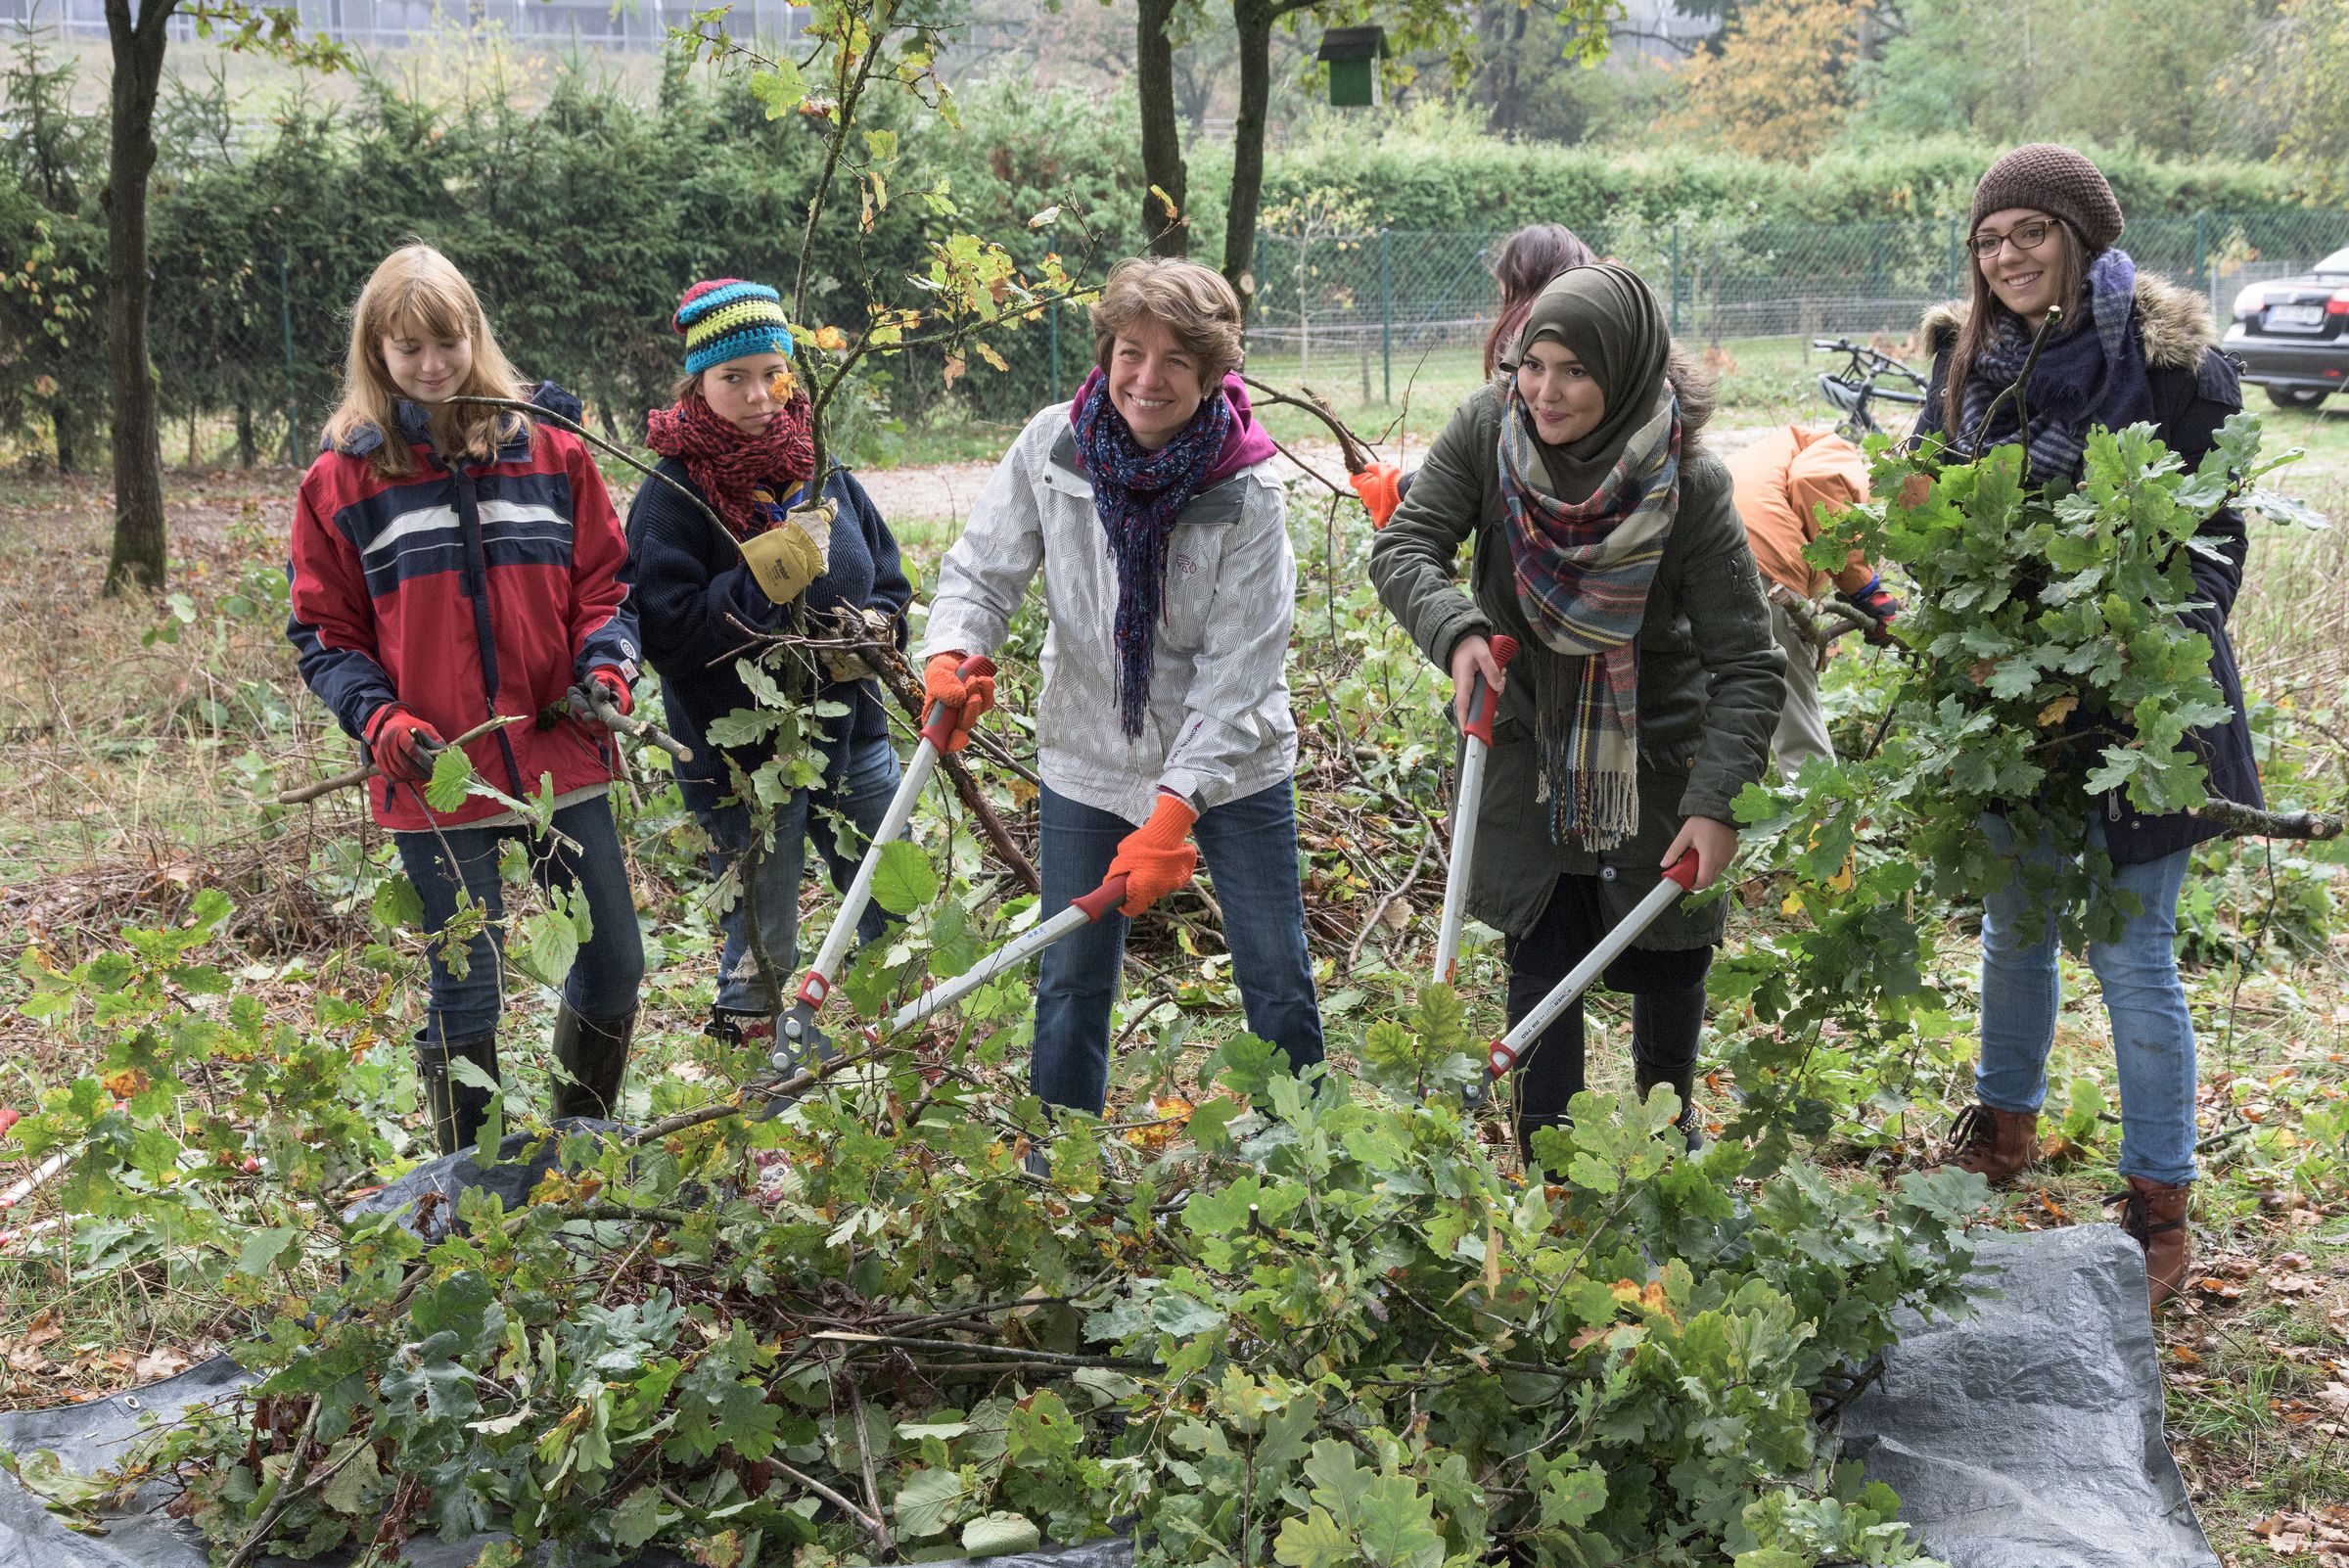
(1422,180)
(580,218)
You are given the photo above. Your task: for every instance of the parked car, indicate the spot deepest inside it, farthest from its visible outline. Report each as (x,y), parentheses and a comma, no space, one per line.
(2292,333)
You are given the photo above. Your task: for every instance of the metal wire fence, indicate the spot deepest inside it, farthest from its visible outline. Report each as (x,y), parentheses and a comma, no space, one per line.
(380,24)
(1349,306)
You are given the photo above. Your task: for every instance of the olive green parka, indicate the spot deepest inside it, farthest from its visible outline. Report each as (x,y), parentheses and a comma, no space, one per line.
(1711,677)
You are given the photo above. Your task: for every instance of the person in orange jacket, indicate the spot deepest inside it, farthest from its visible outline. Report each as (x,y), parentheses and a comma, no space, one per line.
(1785,483)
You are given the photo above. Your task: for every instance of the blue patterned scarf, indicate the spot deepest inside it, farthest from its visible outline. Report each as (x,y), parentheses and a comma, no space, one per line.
(1138,496)
(2083,379)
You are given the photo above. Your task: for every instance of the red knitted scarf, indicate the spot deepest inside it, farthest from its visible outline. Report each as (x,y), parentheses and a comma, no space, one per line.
(727,466)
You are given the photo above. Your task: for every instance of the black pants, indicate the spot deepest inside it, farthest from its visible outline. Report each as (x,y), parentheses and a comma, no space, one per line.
(1666,987)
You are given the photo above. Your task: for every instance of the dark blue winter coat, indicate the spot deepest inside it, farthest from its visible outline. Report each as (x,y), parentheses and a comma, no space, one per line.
(692,588)
(2195,387)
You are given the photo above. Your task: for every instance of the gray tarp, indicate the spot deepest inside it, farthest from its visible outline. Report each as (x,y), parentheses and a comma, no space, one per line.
(2027,1436)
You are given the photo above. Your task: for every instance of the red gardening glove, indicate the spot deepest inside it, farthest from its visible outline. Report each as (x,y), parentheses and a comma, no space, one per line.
(402,746)
(1156,857)
(1877,601)
(1380,486)
(970,699)
(616,686)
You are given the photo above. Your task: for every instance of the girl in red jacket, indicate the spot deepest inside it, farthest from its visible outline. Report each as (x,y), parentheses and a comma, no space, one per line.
(452,563)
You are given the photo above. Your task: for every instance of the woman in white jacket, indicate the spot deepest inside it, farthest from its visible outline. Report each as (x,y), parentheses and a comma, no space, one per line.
(1168,590)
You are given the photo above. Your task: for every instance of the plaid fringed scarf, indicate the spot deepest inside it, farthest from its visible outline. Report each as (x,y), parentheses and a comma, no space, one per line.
(1583,571)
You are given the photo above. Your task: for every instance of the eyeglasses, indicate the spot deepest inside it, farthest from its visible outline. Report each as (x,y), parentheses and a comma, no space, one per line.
(2027,237)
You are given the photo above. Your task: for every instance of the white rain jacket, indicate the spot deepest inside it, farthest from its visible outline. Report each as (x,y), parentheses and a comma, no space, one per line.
(1218,727)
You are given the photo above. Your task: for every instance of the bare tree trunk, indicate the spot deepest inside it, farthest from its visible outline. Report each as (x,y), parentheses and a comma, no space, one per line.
(247,450)
(138,56)
(67,424)
(1162,135)
(1251,23)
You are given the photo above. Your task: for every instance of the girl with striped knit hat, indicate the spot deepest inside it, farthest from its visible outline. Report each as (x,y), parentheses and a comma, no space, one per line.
(737,434)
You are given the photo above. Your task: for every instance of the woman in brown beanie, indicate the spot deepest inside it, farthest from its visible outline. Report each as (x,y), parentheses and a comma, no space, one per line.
(2131,347)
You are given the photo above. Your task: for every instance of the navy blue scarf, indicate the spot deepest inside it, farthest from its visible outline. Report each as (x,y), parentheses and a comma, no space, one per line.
(1137,495)
(2092,374)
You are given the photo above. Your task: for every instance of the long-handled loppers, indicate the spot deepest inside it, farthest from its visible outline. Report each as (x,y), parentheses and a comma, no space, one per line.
(1483,704)
(1083,913)
(1680,879)
(796,1034)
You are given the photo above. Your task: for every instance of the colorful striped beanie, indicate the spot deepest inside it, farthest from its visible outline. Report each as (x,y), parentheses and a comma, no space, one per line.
(726,318)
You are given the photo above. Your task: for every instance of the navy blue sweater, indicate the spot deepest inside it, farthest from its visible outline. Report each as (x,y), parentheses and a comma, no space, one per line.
(692,586)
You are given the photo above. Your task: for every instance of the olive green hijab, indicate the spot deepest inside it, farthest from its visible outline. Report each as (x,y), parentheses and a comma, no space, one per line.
(1608,319)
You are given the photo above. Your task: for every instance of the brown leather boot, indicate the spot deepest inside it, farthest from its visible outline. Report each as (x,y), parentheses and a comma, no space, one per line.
(2154,1215)
(1996,1145)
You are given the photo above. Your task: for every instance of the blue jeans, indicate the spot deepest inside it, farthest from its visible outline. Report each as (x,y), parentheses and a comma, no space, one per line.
(1250,848)
(2152,1034)
(859,790)
(610,966)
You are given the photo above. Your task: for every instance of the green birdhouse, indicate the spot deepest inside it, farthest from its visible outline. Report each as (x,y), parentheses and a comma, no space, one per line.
(1353,55)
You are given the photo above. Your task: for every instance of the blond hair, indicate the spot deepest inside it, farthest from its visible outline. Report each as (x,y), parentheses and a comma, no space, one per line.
(1191,301)
(418,290)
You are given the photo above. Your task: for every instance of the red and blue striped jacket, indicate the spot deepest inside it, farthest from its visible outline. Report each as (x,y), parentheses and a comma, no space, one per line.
(463,593)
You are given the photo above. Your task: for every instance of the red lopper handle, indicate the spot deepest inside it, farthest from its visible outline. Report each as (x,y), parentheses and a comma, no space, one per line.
(938,724)
(1682,871)
(1103,898)
(1483,705)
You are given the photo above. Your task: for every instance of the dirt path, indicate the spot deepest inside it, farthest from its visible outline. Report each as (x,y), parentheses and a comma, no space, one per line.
(946,491)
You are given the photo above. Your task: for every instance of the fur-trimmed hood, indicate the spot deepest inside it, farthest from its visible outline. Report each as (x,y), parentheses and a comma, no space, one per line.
(2173,323)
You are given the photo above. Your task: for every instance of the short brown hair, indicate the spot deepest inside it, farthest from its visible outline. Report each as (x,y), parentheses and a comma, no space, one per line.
(1192,301)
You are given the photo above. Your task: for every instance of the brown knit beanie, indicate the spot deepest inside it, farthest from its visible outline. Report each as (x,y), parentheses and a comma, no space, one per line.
(2056,181)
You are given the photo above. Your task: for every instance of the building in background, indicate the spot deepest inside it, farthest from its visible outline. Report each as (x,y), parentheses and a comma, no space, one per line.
(391,24)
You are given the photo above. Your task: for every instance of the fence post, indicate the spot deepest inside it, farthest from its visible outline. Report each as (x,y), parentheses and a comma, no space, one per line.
(284,320)
(2201,269)
(1676,277)
(1386,314)
(1949,268)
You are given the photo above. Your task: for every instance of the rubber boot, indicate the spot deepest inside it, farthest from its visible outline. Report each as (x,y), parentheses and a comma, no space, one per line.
(1996,1145)
(1666,1026)
(458,1110)
(1683,1085)
(2154,1217)
(592,1054)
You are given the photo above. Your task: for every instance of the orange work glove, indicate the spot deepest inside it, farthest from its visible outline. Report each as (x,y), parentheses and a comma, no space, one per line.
(1380,486)
(969,698)
(1156,857)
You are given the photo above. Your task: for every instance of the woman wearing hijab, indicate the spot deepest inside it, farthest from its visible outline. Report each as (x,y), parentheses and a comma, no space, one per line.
(1169,583)
(1603,538)
(1523,266)
(2131,347)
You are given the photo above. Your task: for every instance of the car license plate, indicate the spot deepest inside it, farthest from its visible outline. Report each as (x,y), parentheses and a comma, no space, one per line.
(2296,315)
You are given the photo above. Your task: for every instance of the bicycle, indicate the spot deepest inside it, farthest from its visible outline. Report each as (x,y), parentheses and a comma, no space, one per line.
(1853,388)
